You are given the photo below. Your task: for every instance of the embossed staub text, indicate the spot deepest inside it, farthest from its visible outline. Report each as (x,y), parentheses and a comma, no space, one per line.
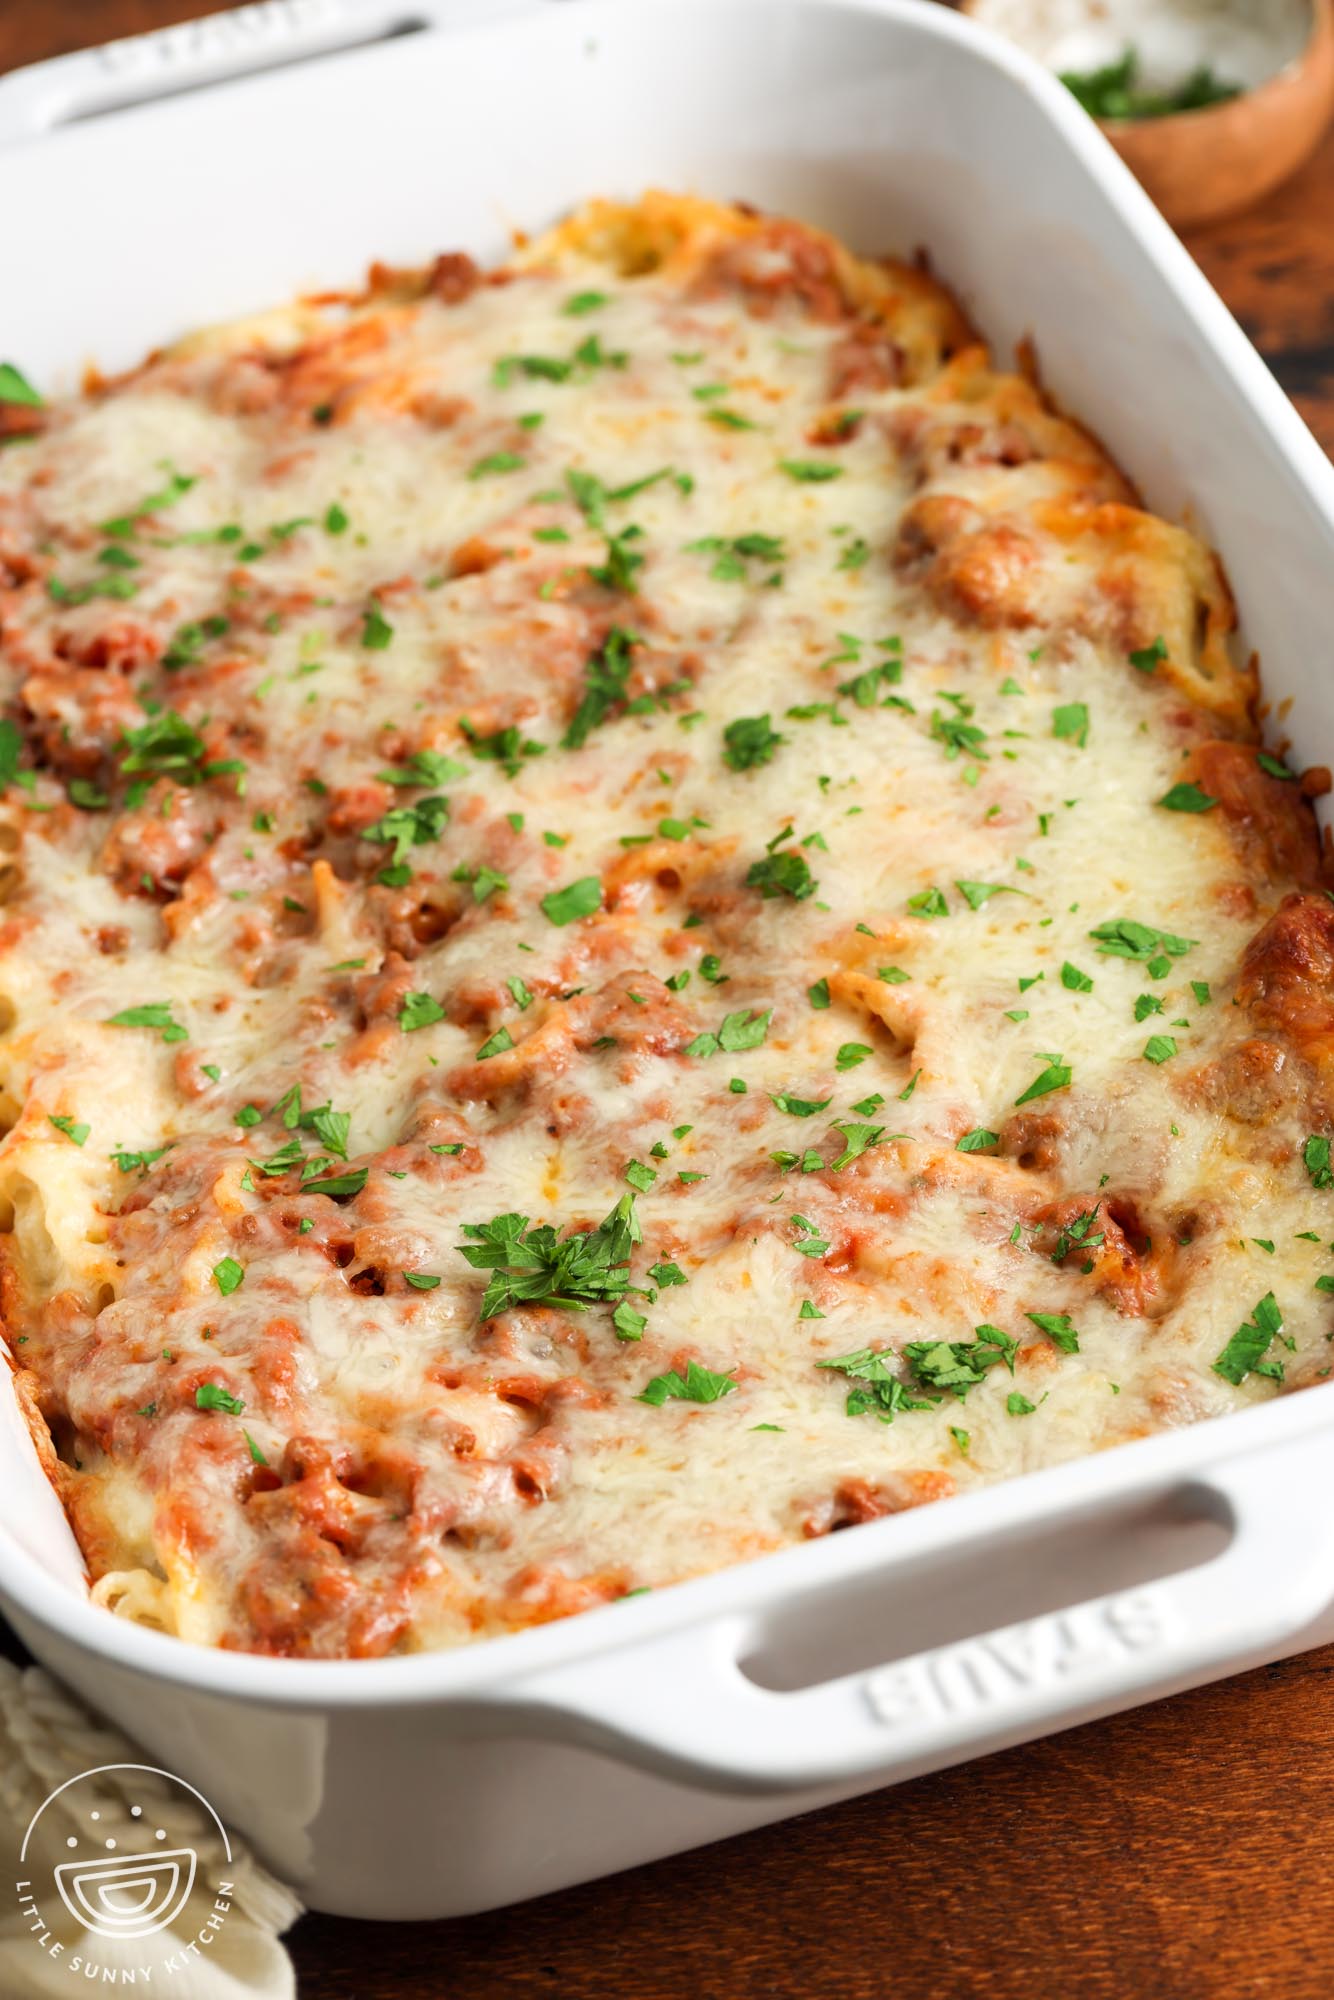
(1005,1668)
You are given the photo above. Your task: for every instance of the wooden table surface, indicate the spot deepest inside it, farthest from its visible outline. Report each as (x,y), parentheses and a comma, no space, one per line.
(1182,1852)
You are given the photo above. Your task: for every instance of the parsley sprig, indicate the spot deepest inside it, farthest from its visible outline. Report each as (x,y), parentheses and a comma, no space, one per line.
(534,1266)
(880,1393)
(1245,1352)
(606,674)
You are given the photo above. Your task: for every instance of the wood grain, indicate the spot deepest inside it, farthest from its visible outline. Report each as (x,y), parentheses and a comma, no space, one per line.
(1181,1852)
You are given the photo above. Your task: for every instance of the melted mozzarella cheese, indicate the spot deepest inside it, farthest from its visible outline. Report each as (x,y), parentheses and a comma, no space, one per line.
(419,527)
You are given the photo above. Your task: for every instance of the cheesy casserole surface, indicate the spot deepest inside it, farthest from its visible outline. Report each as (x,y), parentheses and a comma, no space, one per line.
(645,917)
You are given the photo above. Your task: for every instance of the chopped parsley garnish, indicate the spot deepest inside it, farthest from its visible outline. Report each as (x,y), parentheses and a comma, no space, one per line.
(1075,981)
(975,894)
(866,687)
(977,1140)
(1275,767)
(697,1385)
(411,826)
(1245,1352)
(1071,721)
(591,354)
(850,1054)
(376,631)
(1058,1328)
(956,733)
(536,367)
(799,1107)
(733,553)
(506,747)
(605,675)
(811,471)
(1316,1160)
(169,745)
(122,527)
(76,1134)
(335,1185)
(741,1030)
(11,746)
(957,1366)
(16,388)
(129,1162)
(783,874)
(1079,1234)
(120,587)
(419,1010)
(1159,1049)
(495,1045)
(882,1394)
(1149,658)
(618,570)
(577,899)
(1055,1076)
(228,1275)
(155,1014)
(533,1266)
(485,881)
(1187,798)
(423,768)
(749,742)
(209,1396)
(330,1127)
(497,461)
(1124,938)
(857,1139)
(808,1241)
(190,640)
(928,903)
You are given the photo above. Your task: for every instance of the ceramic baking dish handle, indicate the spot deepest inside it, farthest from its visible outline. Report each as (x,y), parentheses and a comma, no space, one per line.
(683,1704)
(195,54)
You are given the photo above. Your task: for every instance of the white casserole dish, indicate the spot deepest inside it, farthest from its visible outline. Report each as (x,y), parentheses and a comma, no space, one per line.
(441,1784)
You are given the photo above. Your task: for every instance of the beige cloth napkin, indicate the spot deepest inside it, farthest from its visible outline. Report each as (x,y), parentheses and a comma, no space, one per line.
(46,1737)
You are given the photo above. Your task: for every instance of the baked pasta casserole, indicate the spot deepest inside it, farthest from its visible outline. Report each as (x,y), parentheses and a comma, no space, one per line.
(645,917)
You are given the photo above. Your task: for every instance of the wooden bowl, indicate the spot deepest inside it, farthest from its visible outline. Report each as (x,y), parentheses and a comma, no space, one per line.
(1201,165)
